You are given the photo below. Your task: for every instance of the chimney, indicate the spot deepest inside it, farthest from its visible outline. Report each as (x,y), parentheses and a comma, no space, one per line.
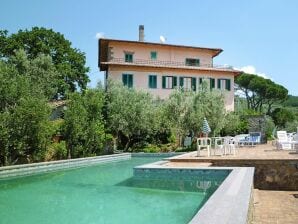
(141,33)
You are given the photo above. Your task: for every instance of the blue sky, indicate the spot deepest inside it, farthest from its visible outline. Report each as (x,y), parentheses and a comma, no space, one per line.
(258,35)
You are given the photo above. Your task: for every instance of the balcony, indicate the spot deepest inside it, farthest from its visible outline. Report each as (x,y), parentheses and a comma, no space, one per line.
(170,64)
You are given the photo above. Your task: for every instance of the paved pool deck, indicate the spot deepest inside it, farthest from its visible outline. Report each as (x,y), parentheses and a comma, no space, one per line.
(275,207)
(270,206)
(263,152)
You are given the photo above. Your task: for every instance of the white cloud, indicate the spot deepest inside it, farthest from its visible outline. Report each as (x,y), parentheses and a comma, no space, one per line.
(250,69)
(99,35)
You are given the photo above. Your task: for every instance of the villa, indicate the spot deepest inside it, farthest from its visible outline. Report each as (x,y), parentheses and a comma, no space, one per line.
(159,67)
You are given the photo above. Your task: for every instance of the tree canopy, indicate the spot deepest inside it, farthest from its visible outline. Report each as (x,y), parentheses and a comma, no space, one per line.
(259,92)
(69,62)
(24,124)
(282,116)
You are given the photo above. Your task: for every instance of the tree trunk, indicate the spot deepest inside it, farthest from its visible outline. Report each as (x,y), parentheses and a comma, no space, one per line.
(247,100)
(127,144)
(115,146)
(69,152)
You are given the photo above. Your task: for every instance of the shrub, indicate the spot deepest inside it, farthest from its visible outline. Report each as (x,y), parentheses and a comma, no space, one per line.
(56,151)
(281,116)
(292,126)
(269,128)
(234,124)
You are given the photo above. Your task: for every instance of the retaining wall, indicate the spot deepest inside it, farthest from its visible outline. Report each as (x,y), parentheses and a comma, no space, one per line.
(270,174)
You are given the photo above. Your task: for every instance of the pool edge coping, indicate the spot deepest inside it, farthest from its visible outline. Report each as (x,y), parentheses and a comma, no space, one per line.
(51,166)
(227,205)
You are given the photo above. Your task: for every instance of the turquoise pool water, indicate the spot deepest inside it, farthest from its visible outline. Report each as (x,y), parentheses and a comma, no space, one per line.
(104,193)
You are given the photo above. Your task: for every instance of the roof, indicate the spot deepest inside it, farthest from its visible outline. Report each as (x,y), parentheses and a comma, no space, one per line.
(103,47)
(216,50)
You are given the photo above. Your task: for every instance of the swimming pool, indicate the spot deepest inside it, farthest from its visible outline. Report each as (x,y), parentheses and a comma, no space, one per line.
(103,193)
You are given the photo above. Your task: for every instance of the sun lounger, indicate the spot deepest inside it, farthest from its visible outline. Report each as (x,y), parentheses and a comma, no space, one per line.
(252,139)
(283,141)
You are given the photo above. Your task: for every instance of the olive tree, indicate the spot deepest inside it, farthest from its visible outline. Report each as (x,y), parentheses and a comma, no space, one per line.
(130,113)
(186,110)
(84,126)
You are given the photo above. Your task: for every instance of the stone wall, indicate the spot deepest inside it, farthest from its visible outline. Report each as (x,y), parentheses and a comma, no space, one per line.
(272,174)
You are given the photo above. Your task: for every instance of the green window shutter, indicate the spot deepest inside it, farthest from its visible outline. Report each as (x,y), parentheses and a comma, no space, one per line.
(192,62)
(174,82)
(194,84)
(128,57)
(152,81)
(212,83)
(130,81)
(181,81)
(155,81)
(218,83)
(149,81)
(124,79)
(164,82)
(200,80)
(228,84)
(153,55)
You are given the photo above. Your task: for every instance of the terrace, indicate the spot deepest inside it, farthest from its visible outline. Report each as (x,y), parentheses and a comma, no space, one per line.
(275,179)
(169,64)
(261,152)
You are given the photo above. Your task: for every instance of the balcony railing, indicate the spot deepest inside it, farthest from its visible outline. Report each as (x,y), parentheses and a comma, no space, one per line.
(167,63)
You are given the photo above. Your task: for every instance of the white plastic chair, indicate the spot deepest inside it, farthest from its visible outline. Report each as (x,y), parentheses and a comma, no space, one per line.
(232,146)
(204,143)
(219,145)
(229,145)
(283,141)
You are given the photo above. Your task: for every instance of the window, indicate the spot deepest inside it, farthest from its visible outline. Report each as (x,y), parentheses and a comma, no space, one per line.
(188,83)
(127,80)
(128,57)
(224,84)
(200,81)
(153,55)
(212,83)
(221,83)
(192,62)
(169,82)
(152,81)
(207,82)
(228,84)
(204,82)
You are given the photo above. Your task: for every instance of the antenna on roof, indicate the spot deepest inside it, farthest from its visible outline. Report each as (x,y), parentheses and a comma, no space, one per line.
(162,39)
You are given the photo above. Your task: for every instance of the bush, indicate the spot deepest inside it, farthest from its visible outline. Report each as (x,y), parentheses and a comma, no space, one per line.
(191,148)
(269,128)
(281,116)
(234,124)
(56,151)
(57,126)
(151,149)
(292,126)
